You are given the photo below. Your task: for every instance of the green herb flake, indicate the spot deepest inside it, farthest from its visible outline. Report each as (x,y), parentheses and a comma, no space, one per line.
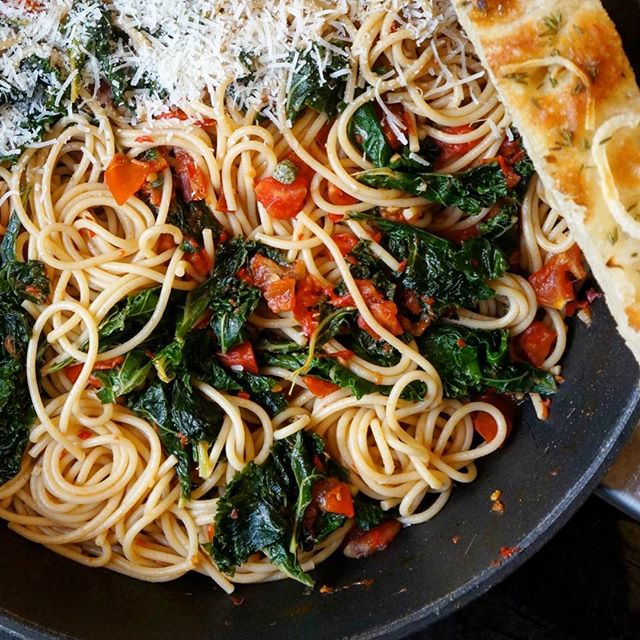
(551,24)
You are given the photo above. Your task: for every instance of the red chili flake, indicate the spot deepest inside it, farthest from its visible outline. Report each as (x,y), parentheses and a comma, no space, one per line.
(184,441)
(243,394)
(144,139)
(234,514)
(402,266)
(456,539)
(461,343)
(236,600)
(205,122)
(592,295)
(84,434)
(508,552)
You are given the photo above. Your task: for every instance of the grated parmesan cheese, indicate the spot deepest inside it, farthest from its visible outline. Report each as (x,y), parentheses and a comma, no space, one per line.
(180,52)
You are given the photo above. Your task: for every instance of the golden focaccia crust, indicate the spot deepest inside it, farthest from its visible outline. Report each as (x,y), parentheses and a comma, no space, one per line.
(562,73)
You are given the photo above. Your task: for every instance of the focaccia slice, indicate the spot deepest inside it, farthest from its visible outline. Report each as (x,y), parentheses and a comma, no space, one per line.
(562,73)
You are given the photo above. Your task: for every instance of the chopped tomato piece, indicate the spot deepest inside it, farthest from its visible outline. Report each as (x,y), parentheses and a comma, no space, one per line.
(335,195)
(460,235)
(323,134)
(411,302)
(280,295)
(537,342)
(165,242)
(553,283)
(157,163)
(221,205)
(344,354)
(205,122)
(484,424)
(308,295)
(365,543)
(243,394)
(333,496)
(179,114)
(575,306)
(345,241)
(450,151)
(282,201)
(264,271)
(390,135)
(200,260)
(73,370)
(241,356)
(125,177)
(193,181)
(511,177)
(384,311)
(318,387)
(511,150)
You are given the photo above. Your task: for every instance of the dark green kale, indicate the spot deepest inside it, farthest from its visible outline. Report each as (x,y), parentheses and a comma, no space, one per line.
(124,379)
(263,508)
(502,229)
(364,345)
(471,190)
(471,361)
(405,160)
(366,132)
(129,317)
(154,405)
(19,281)
(437,268)
(233,302)
(192,218)
(102,42)
(313,83)
(187,423)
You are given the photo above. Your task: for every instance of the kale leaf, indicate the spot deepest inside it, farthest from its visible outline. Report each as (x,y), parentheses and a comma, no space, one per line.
(319,90)
(471,190)
(473,360)
(122,380)
(436,267)
(187,423)
(366,132)
(153,404)
(263,509)
(19,281)
(192,218)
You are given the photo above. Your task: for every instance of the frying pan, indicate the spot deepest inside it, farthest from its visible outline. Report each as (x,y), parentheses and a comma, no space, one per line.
(546,470)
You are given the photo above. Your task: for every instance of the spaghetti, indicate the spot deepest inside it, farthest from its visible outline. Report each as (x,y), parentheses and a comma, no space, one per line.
(96,484)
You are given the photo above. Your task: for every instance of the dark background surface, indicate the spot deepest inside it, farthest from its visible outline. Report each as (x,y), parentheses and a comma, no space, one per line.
(583,585)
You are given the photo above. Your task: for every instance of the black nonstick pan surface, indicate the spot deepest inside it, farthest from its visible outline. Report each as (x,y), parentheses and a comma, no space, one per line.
(545,472)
